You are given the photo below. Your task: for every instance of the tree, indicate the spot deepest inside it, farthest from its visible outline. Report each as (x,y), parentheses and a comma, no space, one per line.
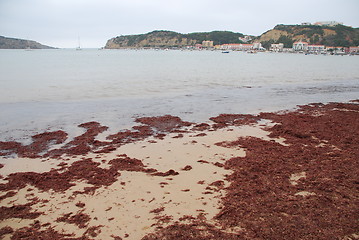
(287,41)
(314,39)
(267,44)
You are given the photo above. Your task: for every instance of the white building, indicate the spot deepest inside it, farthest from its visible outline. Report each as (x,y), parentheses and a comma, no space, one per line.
(257,46)
(316,48)
(328,23)
(300,46)
(237,46)
(277,47)
(245,38)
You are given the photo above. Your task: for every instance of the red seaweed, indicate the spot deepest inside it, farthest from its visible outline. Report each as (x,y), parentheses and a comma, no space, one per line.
(87,142)
(40,143)
(261,203)
(18,211)
(165,123)
(224,120)
(80,219)
(6,230)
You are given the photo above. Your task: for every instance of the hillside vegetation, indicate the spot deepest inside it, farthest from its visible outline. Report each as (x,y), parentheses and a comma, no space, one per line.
(14,43)
(172,39)
(339,35)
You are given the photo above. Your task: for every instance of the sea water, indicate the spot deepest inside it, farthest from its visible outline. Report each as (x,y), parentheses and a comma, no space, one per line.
(59,89)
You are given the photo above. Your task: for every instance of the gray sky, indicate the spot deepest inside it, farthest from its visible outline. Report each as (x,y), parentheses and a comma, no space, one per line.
(59,23)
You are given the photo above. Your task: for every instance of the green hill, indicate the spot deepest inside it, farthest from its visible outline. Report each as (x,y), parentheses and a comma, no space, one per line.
(172,39)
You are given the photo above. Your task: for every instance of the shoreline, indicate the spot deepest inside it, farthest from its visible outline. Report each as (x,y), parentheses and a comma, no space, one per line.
(240,176)
(31,118)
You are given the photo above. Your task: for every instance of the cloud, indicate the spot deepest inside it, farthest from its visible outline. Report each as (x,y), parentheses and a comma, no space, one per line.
(59,22)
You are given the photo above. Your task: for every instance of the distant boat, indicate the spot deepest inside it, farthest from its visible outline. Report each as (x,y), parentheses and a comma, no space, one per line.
(225,51)
(79,46)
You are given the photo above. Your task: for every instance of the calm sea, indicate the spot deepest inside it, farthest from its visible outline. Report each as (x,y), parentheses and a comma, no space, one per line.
(58,89)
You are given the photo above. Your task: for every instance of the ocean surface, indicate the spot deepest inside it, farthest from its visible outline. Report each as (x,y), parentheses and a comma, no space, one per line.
(59,89)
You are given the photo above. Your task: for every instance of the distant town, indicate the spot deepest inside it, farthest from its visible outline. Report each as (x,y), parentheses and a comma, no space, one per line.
(325,37)
(298,46)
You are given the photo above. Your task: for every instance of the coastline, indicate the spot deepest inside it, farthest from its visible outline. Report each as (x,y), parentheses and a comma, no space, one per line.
(266,176)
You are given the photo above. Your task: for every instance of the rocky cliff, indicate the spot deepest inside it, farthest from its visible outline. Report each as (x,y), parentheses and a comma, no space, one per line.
(172,39)
(14,43)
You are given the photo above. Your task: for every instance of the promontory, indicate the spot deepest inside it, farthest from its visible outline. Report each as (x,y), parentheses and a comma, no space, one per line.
(14,43)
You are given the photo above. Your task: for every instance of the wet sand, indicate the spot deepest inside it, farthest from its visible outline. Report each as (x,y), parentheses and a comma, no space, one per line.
(268,176)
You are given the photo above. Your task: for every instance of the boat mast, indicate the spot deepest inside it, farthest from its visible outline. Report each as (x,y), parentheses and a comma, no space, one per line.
(79,45)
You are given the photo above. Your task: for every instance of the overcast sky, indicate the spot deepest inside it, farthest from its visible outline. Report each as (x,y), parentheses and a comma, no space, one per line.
(60,23)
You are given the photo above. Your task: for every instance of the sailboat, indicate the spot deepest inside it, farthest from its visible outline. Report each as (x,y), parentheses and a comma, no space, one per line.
(79,46)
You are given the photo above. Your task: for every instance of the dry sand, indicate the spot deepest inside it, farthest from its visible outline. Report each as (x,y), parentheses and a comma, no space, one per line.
(137,203)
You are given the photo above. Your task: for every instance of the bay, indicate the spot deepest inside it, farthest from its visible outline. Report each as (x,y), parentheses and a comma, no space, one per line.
(58,89)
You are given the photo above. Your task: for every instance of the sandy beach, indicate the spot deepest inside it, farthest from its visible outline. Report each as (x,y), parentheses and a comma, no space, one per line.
(283,175)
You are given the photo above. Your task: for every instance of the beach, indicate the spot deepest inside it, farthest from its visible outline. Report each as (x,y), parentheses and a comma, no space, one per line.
(146,144)
(272,175)
(158,120)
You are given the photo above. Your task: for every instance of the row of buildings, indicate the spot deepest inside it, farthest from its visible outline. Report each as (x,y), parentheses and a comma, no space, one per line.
(300,46)
(241,46)
(230,46)
(324,23)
